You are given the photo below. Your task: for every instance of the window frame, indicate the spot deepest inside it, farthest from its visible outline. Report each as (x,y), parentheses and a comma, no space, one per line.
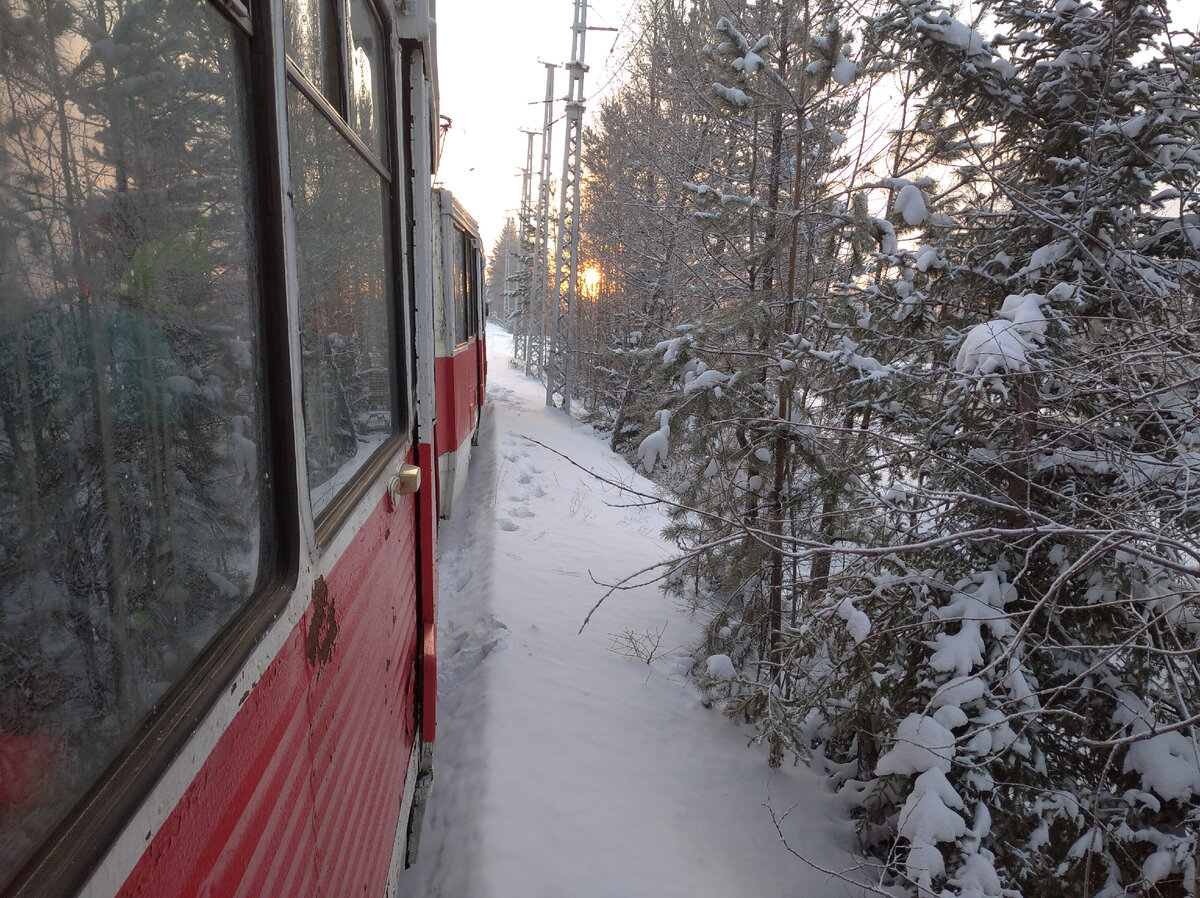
(330,520)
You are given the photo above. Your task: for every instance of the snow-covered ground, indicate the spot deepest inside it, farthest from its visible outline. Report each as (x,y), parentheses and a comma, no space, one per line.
(564,767)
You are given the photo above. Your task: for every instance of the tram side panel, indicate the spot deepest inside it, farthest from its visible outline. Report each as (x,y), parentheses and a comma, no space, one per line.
(459,358)
(299,797)
(278,755)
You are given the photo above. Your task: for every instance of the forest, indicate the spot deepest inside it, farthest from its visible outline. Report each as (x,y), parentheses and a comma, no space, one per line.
(899,302)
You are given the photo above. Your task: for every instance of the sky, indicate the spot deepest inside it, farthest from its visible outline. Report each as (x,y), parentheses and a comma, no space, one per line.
(493,84)
(565,764)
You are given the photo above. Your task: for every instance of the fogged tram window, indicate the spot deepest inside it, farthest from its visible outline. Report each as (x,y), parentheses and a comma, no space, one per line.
(341,188)
(461,287)
(131,422)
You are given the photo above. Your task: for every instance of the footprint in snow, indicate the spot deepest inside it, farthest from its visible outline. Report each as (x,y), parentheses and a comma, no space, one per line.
(505,524)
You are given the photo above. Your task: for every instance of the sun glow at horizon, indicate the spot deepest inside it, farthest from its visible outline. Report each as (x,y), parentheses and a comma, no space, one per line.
(589,282)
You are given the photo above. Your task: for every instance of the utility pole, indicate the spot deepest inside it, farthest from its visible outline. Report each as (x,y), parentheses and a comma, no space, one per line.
(537,289)
(566,269)
(514,315)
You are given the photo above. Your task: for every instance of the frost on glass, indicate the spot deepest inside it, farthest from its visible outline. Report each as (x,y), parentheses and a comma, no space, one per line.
(462,286)
(345,298)
(131,474)
(311,33)
(366,78)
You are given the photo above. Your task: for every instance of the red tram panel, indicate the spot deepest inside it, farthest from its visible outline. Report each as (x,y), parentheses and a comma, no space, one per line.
(458,328)
(245,299)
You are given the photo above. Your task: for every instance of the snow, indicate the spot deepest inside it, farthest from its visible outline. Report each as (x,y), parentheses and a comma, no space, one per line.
(653,448)
(991,347)
(671,348)
(732,95)
(921,744)
(928,257)
(1168,765)
(245,450)
(750,63)
(1004,345)
(857,622)
(961,37)
(564,767)
(844,71)
(886,235)
(720,667)
(910,205)
(928,813)
(1046,256)
(705,380)
(1158,866)
(958,691)
(926,819)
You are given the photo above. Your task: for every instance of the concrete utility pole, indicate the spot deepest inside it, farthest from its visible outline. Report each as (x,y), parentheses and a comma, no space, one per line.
(566,269)
(535,359)
(514,314)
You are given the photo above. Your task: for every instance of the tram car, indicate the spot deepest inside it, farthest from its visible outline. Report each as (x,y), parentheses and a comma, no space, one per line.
(458,337)
(219,463)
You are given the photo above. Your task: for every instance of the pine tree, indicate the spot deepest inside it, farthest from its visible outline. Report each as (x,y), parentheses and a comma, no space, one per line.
(507,277)
(1020,671)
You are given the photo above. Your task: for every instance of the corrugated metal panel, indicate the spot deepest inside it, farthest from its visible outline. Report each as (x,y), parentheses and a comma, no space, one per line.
(301,796)
(258,768)
(457,379)
(362,709)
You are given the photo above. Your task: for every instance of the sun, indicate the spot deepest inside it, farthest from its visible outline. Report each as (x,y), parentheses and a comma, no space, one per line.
(589,281)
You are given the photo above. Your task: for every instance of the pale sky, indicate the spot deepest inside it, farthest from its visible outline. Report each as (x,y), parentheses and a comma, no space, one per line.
(493,82)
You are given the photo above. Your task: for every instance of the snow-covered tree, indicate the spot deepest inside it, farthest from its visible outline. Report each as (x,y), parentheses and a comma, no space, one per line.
(507,278)
(933,425)
(1012,657)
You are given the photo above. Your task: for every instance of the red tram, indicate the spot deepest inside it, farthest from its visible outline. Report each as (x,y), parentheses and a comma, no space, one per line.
(458,339)
(225,382)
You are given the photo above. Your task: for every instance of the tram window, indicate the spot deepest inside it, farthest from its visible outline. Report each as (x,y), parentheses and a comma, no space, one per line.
(476,286)
(341,202)
(366,96)
(312,44)
(132,470)
(462,281)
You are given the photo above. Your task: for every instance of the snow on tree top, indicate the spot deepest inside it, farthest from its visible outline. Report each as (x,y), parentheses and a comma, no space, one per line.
(952,33)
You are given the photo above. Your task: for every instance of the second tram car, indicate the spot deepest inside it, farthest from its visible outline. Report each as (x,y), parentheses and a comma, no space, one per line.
(458,337)
(219,475)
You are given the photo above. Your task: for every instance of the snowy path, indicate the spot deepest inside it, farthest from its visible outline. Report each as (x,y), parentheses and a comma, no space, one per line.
(564,769)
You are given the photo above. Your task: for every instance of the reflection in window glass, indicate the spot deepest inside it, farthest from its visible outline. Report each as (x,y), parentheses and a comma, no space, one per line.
(131,426)
(345,297)
(312,44)
(366,78)
(461,287)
